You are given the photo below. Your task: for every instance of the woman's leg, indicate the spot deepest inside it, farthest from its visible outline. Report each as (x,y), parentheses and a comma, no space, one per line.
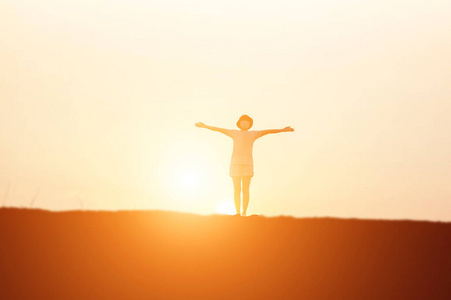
(246,184)
(237,192)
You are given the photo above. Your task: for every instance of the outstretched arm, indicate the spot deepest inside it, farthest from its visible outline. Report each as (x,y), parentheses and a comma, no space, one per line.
(202,125)
(286,129)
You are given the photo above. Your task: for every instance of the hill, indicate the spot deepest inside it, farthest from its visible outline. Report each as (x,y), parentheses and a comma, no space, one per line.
(158,254)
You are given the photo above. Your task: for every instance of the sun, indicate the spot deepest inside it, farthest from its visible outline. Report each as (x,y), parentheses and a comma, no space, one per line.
(226,207)
(189,180)
(189,176)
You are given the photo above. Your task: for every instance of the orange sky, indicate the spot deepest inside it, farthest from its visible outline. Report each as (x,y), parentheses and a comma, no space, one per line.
(99,99)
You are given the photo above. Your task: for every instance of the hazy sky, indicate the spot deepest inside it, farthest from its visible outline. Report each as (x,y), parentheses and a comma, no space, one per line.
(98,101)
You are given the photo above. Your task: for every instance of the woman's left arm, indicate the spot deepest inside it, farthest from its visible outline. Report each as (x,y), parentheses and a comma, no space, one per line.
(286,129)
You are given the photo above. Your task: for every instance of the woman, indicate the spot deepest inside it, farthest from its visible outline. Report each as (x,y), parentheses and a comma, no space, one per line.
(242,164)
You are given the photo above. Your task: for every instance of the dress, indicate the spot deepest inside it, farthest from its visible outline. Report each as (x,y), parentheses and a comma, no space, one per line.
(242,163)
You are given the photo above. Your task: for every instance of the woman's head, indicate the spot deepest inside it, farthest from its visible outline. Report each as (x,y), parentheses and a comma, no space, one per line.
(245,122)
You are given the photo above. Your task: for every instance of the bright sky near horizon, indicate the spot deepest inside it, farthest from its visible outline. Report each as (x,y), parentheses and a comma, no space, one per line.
(98,101)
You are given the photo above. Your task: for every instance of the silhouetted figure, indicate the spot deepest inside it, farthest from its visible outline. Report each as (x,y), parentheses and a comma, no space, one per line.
(242,163)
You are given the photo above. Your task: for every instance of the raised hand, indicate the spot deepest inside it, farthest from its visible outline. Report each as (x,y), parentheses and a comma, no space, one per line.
(288,128)
(200,124)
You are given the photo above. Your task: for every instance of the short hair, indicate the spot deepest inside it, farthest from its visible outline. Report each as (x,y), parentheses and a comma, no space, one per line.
(244,118)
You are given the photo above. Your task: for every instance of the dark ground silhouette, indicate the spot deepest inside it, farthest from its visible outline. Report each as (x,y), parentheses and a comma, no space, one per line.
(156,254)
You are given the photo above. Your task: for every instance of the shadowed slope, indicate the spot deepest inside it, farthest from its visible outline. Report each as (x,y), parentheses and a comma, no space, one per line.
(144,254)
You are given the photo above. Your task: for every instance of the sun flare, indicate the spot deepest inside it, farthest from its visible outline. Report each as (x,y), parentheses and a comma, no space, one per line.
(226,207)
(189,180)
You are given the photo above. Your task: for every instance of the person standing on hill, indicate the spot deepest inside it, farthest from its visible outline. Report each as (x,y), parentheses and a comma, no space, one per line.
(242,164)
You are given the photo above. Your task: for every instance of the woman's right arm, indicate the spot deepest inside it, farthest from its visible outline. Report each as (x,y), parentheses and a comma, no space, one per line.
(202,125)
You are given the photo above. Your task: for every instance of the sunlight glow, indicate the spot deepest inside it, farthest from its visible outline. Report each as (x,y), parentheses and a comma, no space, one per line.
(187,173)
(226,207)
(189,180)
